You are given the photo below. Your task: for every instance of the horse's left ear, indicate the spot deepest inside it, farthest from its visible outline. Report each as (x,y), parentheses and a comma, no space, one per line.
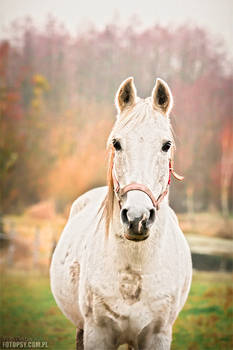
(162,99)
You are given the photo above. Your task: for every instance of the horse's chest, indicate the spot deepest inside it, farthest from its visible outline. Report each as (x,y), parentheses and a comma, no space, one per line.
(147,291)
(129,285)
(133,300)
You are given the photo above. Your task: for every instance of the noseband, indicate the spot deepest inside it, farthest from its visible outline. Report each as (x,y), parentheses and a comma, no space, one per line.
(120,192)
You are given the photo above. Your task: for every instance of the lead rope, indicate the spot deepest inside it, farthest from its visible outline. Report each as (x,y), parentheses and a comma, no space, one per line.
(171,168)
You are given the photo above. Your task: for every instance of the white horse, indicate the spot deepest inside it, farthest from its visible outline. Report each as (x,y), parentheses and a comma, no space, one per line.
(122,270)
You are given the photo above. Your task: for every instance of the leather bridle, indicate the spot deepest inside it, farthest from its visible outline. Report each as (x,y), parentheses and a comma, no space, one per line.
(120,192)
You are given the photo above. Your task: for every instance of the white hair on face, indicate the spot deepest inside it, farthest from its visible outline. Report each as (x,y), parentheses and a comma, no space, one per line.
(132,118)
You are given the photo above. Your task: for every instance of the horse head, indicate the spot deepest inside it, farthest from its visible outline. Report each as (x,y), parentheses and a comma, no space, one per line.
(140,145)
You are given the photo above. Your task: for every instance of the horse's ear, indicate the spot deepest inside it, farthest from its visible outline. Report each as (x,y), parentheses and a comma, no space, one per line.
(126,95)
(162,97)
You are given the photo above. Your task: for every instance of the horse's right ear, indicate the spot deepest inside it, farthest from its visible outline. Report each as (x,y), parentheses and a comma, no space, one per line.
(126,95)
(162,97)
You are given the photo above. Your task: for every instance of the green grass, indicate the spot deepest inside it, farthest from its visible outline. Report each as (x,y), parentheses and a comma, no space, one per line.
(27,309)
(206,320)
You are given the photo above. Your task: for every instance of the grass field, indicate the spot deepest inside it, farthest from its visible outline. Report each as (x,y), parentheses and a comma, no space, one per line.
(27,310)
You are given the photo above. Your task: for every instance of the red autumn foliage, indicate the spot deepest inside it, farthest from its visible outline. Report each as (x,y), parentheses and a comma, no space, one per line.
(56,109)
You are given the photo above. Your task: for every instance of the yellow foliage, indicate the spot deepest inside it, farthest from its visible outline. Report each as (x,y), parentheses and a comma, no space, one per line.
(41,82)
(35,104)
(41,86)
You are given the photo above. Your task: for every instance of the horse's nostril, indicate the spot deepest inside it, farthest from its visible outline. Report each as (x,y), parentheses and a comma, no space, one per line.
(152,216)
(124,216)
(136,220)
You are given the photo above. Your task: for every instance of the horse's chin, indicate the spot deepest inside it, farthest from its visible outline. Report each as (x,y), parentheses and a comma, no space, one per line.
(136,237)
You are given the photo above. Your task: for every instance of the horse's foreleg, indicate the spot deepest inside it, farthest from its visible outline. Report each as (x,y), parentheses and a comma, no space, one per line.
(150,339)
(158,341)
(99,337)
(79,339)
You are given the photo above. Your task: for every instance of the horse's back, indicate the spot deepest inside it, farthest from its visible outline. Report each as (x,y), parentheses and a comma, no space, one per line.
(88,199)
(65,266)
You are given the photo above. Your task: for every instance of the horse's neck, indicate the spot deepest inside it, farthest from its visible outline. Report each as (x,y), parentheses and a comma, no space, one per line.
(138,254)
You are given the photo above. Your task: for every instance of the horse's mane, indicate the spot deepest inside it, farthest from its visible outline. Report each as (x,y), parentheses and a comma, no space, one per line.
(107,205)
(108,202)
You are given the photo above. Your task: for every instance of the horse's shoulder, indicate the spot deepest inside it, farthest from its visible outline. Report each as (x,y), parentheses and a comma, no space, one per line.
(176,233)
(173,216)
(93,196)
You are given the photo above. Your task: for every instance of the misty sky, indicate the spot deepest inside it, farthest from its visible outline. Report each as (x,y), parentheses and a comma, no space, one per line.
(215,15)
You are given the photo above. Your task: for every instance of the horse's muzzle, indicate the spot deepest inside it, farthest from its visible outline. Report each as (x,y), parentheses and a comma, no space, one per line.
(137,224)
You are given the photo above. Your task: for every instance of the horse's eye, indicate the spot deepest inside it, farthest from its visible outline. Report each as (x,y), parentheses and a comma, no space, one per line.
(116,145)
(166,146)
